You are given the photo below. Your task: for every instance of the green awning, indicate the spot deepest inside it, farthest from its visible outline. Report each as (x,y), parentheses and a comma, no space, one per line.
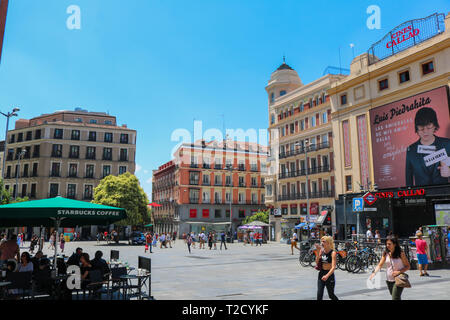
(70,212)
(148,225)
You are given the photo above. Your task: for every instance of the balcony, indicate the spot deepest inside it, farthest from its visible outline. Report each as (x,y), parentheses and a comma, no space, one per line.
(206,201)
(71,196)
(218,167)
(193,200)
(123,158)
(55,174)
(218,183)
(34,174)
(302,196)
(74,155)
(242,185)
(194,165)
(89,176)
(10,157)
(36,155)
(107,158)
(302,172)
(254,169)
(206,166)
(88,197)
(56,154)
(241,167)
(206,183)
(193,182)
(311,148)
(90,156)
(72,175)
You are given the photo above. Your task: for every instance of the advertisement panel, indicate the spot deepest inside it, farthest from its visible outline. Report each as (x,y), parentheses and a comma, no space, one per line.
(410,141)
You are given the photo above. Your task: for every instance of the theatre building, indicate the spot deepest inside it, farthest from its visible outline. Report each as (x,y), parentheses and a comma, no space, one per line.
(390,121)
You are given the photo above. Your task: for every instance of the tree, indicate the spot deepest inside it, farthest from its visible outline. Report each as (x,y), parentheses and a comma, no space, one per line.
(124,191)
(6,197)
(262,216)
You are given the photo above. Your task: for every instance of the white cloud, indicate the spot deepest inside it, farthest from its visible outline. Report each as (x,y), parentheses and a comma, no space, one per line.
(149,181)
(138,168)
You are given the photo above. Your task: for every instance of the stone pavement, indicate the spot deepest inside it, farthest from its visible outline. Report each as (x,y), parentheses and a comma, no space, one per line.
(249,273)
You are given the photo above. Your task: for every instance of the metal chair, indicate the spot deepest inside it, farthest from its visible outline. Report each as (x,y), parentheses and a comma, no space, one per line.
(96,286)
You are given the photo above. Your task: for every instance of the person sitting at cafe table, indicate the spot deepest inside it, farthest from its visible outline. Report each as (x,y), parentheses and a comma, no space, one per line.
(85,268)
(25,264)
(98,263)
(36,259)
(75,258)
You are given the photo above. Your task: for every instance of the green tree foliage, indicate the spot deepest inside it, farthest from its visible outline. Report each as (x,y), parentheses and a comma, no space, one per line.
(124,191)
(6,197)
(262,216)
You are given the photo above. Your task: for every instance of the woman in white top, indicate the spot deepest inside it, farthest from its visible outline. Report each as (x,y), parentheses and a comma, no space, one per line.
(25,263)
(397,263)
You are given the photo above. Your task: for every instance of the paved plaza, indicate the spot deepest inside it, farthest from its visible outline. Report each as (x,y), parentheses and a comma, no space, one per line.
(249,272)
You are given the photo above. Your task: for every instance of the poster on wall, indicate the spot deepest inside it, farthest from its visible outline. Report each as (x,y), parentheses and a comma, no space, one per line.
(442,212)
(411,141)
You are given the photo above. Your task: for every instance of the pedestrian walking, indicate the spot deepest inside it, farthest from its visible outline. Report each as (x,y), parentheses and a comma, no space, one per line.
(148,242)
(62,242)
(174,237)
(193,239)
(98,237)
(423,254)
(222,240)
(168,240)
(52,242)
(294,241)
(210,240)
(369,235)
(245,238)
(326,263)
(397,264)
(189,242)
(377,236)
(260,238)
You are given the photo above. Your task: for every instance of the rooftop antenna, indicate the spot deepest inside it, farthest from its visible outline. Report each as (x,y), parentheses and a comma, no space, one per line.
(353,49)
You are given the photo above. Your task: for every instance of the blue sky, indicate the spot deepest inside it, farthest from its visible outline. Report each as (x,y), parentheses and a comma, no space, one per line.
(157,65)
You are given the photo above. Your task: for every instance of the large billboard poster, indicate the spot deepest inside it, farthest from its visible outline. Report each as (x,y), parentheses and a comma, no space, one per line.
(411,141)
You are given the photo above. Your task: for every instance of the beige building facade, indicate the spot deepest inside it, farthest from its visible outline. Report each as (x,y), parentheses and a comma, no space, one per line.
(300,174)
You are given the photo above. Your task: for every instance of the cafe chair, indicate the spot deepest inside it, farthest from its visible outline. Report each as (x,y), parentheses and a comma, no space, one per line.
(116,282)
(42,285)
(96,286)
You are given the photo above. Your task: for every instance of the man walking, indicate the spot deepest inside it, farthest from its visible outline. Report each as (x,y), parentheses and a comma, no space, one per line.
(148,242)
(222,240)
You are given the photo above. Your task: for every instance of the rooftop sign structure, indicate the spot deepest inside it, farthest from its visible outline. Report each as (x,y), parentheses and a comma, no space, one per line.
(406,35)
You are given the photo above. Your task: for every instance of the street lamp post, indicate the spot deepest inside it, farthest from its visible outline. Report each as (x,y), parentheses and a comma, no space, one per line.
(7,115)
(21,154)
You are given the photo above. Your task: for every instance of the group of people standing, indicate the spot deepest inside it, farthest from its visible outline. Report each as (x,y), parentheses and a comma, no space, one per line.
(191,238)
(253,237)
(165,238)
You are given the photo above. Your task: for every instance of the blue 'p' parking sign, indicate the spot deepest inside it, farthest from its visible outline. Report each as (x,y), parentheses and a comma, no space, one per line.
(358,204)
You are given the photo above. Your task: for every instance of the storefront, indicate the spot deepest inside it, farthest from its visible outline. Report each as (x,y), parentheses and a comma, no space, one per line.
(400,211)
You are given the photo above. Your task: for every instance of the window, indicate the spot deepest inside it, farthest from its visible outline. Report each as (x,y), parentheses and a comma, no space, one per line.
(57,151)
(294,210)
(218,180)
(205,197)
(193,178)
(29,135)
(313,121)
(272,119)
(269,189)
(92,136)
(37,134)
(90,153)
(241,213)
(227,213)
(193,195)
(302,125)
(217,213)
(54,190)
(75,135)
(343,99)
(241,198)
(292,128)
(383,84)
(56,167)
(282,92)
(325,140)
(25,170)
(302,108)
(36,151)
(93,121)
(324,117)
(326,186)
(107,153)
(90,171)
(74,152)
(228,180)
(254,184)
(348,183)
(108,137)
(206,179)
(272,97)
(73,169)
(78,120)
(35,169)
(124,138)
(20,137)
(122,169)
(218,197)
(58,134)
(71,190)
(33,190)
(12,138)
(106,170)
(254,198)
(108,122)
(88,192)
(427,67)
(241,182)
(403,76)
(123,155)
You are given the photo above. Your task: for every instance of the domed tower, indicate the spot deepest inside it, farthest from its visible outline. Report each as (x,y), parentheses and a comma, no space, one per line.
(282,81)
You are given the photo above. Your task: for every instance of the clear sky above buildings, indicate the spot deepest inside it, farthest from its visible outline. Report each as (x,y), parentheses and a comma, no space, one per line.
(158,65)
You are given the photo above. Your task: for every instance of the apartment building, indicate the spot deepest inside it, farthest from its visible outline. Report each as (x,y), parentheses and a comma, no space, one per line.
(67,153)
(301,164)
(203,179)
(374,116)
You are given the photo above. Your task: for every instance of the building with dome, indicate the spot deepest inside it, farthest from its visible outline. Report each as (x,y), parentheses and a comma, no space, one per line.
(299,124)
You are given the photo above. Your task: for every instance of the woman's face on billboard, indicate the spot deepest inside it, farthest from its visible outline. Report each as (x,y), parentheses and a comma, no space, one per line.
(426,133)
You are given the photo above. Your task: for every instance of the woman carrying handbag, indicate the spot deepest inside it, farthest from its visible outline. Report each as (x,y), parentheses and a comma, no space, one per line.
(326,264)
(397,265)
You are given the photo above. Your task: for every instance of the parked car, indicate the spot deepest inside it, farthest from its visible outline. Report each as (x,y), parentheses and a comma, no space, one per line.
(136,238)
